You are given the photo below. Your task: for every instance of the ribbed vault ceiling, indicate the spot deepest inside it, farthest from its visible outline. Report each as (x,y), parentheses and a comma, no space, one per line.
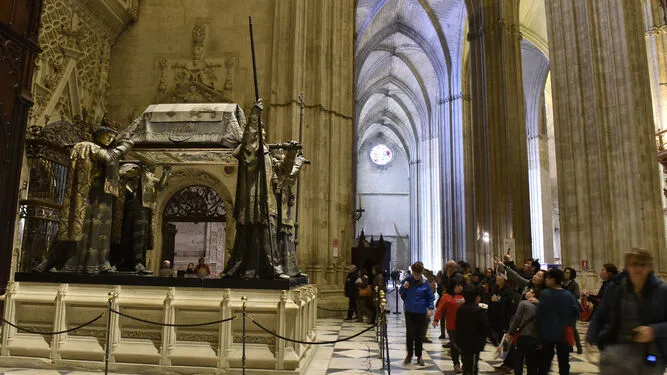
(406,54)
(403,64)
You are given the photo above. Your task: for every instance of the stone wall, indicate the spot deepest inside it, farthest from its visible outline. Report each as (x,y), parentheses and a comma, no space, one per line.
(164,33)
(301,46)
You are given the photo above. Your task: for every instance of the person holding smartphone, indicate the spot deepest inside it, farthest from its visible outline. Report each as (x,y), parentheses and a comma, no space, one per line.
(630,325)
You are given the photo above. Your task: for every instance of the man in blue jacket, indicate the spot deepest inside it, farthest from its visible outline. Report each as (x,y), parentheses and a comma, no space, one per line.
(418,301)
(630,325)
(558,310)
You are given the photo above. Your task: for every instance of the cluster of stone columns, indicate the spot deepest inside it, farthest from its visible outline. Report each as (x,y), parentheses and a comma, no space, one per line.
(501,207)
(609,188)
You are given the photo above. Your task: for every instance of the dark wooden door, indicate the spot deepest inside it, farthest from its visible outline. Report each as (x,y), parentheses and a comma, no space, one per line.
(19,26)
(168,242)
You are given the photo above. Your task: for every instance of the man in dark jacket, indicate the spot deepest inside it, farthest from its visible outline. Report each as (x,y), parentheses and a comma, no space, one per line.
(351,290)
(630,325)
(607,273)
(472,329)
(556,313)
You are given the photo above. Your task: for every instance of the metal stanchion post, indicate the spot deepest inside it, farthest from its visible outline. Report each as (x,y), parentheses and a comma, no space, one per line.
(381,323)
(396,294)
(386,341)
(108,346)
(243,336)
(376,306)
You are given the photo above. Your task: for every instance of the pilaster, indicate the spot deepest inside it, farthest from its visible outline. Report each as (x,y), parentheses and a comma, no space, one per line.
(314,55)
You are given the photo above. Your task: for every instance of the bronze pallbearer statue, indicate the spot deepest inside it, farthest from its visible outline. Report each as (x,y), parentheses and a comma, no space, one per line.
(84,231)
(287,161)
(133,212)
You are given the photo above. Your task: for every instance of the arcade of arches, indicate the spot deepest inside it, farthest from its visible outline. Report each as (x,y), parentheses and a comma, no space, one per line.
(456,129)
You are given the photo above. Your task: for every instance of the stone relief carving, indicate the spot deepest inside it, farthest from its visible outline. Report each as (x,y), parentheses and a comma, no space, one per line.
(72,71)
(195,80)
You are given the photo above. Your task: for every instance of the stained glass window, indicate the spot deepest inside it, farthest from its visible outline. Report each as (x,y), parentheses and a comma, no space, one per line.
(381,154)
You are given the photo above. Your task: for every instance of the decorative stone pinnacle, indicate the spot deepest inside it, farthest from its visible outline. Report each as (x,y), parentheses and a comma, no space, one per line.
(198,35)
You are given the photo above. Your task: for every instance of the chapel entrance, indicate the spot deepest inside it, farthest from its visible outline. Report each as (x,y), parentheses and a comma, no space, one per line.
(194,222)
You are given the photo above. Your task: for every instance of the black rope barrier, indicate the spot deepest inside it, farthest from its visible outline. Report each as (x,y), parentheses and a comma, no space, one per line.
(172,325)
(311,342)
(333,310)
(52,333)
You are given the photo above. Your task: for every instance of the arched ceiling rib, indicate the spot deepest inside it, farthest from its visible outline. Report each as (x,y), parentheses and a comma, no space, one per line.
(391,114)
(403,73)
(403,64)
(390,85)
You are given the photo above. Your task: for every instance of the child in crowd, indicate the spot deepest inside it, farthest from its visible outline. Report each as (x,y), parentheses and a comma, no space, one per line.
(472,329)
(448,306)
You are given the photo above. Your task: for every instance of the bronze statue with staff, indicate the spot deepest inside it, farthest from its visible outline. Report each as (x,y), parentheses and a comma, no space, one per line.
(254,254)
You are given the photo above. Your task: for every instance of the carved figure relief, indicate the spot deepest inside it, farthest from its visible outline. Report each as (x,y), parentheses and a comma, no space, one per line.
(195,80)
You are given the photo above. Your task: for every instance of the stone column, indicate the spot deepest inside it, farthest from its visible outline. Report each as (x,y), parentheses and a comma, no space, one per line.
(500,155)
(655,22)
(535,70)
(609,191)
(313,54)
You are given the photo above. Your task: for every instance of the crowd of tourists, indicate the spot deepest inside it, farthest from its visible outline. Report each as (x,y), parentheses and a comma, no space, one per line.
(529,313)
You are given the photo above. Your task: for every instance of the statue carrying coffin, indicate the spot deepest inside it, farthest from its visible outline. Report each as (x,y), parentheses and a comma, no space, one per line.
(84,232)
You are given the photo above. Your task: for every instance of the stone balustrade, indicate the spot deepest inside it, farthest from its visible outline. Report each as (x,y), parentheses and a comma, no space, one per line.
(140,347)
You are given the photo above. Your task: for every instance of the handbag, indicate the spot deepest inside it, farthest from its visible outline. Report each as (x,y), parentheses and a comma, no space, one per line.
(585,309)
(569,336)
(365,292)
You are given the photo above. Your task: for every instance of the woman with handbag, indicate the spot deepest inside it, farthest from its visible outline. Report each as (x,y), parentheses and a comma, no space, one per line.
(418,301)
(523,334)
(364,296)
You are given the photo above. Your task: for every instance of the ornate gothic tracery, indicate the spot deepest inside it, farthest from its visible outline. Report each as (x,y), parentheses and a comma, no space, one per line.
(196,203)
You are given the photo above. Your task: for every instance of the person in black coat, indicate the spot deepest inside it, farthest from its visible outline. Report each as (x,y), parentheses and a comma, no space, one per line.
(351,291)
(630,325)
(607,273)
(472,329)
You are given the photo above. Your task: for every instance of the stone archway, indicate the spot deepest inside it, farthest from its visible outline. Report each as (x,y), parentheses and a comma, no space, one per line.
(182,183)
(193,227)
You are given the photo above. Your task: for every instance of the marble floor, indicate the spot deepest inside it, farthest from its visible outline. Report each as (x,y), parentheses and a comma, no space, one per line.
(361,355)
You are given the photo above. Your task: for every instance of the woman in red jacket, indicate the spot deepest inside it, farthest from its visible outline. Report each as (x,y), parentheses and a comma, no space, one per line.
(448,305)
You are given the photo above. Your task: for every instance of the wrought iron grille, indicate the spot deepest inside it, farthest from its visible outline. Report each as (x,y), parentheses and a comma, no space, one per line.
(195,203)
(47,149)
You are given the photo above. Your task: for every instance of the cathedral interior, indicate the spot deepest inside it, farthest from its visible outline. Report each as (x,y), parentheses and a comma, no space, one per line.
(170,162)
